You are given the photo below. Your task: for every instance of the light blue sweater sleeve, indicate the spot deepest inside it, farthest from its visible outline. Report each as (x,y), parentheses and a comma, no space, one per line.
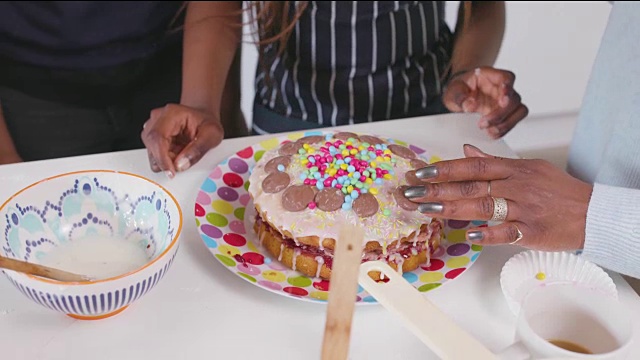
(612,234)
(606,146)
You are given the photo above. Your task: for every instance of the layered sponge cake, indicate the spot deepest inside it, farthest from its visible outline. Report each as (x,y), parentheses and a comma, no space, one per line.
(305,190)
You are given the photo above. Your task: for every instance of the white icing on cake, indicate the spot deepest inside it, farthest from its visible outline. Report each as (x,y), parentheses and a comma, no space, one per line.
(382,228)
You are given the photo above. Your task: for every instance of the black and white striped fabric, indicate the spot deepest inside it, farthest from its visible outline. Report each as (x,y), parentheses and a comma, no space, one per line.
(352,62)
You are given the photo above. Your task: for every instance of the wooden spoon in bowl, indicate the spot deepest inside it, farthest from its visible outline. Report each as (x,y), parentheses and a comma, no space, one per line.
(40,270)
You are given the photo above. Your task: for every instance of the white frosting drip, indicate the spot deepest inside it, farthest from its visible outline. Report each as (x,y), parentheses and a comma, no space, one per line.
(417,237)
(281,252)
(296,253)
(398,260)
(320,261)
(263,234)
(400,223)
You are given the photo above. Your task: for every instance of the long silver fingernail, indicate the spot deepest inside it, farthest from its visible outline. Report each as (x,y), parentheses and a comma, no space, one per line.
(169,174)
(183,164)
(475,235)
(427,172)
(415,191)
(430,208)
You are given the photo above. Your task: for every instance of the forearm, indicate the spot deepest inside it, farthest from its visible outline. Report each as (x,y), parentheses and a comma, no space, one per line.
(231,115)
(477,43)
(612,234)
(7,148)
(212,33)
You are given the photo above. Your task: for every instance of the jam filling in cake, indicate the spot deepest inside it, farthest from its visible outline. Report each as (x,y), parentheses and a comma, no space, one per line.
(425,243)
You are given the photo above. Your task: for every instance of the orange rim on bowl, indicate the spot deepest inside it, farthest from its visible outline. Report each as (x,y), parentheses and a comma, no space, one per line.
(171,245)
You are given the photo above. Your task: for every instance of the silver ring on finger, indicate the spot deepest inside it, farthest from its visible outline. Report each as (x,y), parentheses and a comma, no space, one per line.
(489,188)
(500,209)
(519,237)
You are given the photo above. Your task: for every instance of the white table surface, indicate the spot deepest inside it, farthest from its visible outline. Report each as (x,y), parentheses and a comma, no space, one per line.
(200,310)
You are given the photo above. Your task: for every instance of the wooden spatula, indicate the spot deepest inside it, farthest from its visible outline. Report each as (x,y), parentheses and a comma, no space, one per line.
(40,270)
(342,293)
(436,330)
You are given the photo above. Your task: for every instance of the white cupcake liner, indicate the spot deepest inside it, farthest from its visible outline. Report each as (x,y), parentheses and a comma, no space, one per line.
(520,274)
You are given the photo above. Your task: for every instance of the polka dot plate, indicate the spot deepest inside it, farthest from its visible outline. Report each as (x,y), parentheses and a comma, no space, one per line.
(224,217)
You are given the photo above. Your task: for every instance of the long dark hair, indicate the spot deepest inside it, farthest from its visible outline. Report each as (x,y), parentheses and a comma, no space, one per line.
(274,21)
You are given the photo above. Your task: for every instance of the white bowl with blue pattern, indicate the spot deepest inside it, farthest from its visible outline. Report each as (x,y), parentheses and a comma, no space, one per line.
(72,206)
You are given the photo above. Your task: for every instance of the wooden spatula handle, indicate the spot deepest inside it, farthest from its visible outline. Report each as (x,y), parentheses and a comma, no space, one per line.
(436,330)
(342,294)
(40,270)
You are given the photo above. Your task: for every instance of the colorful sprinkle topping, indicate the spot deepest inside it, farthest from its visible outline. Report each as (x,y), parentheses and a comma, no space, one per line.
(352,167)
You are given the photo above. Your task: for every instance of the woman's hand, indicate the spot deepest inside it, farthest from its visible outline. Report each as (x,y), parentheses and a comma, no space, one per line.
(544,204)
(177,137)
(10,158)
(8,152)
(489,92)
